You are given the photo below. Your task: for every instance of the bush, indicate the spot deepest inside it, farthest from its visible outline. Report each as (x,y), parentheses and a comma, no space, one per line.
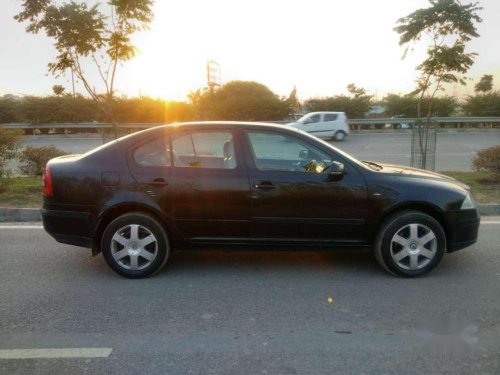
(487,159)
(9,145)
(34,159)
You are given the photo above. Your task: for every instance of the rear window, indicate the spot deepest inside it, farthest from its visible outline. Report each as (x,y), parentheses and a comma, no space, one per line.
(154,154)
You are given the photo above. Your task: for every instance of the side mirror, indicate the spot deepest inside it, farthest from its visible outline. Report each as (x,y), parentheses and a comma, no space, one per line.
(337,170)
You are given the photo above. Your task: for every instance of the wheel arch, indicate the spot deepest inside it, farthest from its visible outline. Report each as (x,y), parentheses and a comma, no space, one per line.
(111,213)
(425,207)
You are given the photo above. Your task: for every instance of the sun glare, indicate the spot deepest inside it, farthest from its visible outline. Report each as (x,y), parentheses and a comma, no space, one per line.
(280,44)
(263,43)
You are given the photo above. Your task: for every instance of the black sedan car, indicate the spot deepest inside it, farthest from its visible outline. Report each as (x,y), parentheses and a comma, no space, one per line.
(249,185)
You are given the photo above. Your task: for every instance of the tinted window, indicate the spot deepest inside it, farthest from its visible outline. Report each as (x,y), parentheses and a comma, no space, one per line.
(330,117)
(204,149)
(274,151)
(154,154)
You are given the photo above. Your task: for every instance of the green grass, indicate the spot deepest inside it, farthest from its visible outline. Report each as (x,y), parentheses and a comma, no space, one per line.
(484,185)
(27,191)
(21,192)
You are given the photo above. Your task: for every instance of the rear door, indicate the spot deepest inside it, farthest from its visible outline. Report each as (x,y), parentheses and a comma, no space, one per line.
(330,123)
(202,185)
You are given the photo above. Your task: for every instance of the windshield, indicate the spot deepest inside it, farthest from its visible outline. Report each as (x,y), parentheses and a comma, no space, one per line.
(304,118)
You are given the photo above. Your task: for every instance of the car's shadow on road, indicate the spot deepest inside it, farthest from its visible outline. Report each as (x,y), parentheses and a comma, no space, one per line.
(228,262)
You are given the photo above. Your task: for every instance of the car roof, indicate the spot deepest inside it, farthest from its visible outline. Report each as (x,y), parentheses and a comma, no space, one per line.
(224,123)
(231,124)
(318,112)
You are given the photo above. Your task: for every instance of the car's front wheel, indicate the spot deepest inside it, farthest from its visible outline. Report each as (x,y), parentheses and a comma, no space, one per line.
(135,245)
(410,243)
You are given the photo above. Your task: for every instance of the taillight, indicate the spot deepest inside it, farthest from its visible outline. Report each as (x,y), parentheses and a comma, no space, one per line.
(47,183)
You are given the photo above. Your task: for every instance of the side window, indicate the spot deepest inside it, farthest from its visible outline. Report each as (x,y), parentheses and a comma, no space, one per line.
(282,152)
(154,154)
(204,149)
(330,117)
(313,119)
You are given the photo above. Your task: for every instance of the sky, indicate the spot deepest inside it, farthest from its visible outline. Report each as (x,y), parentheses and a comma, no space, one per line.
(319,46)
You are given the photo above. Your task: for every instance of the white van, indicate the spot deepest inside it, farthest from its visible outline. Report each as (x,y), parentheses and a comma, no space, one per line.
(328,125)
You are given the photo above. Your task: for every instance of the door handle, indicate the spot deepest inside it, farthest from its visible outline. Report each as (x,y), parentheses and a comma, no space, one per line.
(267,185)
(158,181)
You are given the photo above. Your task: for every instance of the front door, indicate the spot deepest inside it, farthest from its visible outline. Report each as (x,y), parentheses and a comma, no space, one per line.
(295,198)
(313,124)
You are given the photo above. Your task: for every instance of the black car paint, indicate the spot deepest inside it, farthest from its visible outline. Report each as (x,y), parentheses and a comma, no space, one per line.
(215,207)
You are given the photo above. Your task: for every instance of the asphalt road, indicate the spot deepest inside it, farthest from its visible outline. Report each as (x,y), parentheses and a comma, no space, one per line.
(455,150)
(247,313)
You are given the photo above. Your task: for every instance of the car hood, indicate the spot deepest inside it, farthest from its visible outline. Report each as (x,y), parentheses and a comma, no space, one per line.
(408,171)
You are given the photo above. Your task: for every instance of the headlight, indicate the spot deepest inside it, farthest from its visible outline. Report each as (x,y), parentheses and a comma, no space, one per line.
(468,203)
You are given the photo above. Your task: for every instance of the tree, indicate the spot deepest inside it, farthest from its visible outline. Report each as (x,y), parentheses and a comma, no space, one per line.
(84,34)
(406,105)
(149,110)
(487,104)
(57,109)
(448,25)
(8,109)
(294,101)
(68,109)
(485,84)
(355,105)
(58,89)
(240,101)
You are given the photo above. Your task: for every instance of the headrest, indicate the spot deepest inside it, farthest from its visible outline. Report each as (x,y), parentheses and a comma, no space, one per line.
(228,148)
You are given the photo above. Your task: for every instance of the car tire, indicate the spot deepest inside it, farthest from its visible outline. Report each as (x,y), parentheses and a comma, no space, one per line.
(135,245)
(410,244)
(339,136)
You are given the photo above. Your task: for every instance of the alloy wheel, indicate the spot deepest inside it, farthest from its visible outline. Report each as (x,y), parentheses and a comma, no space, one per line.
(134,247)
(413,246)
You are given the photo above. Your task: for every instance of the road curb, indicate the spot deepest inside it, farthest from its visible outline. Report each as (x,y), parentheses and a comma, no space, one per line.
(19,214)
(33,214)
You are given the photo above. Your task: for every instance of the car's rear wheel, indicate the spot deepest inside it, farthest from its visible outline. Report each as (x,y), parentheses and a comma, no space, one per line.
(339,136)
(135,245)
(410,243)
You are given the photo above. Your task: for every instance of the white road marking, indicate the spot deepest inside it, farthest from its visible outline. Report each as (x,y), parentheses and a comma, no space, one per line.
(490,222)
(55,353)
(21,226)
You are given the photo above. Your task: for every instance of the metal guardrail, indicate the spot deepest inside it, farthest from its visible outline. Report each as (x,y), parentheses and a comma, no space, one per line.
(439,120)
(362,122)
(79,125)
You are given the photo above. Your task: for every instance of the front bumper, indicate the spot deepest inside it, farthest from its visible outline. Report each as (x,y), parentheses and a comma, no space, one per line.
(68,227)
(463,229)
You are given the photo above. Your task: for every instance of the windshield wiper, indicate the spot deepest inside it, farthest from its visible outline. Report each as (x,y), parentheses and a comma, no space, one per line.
(373,164)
